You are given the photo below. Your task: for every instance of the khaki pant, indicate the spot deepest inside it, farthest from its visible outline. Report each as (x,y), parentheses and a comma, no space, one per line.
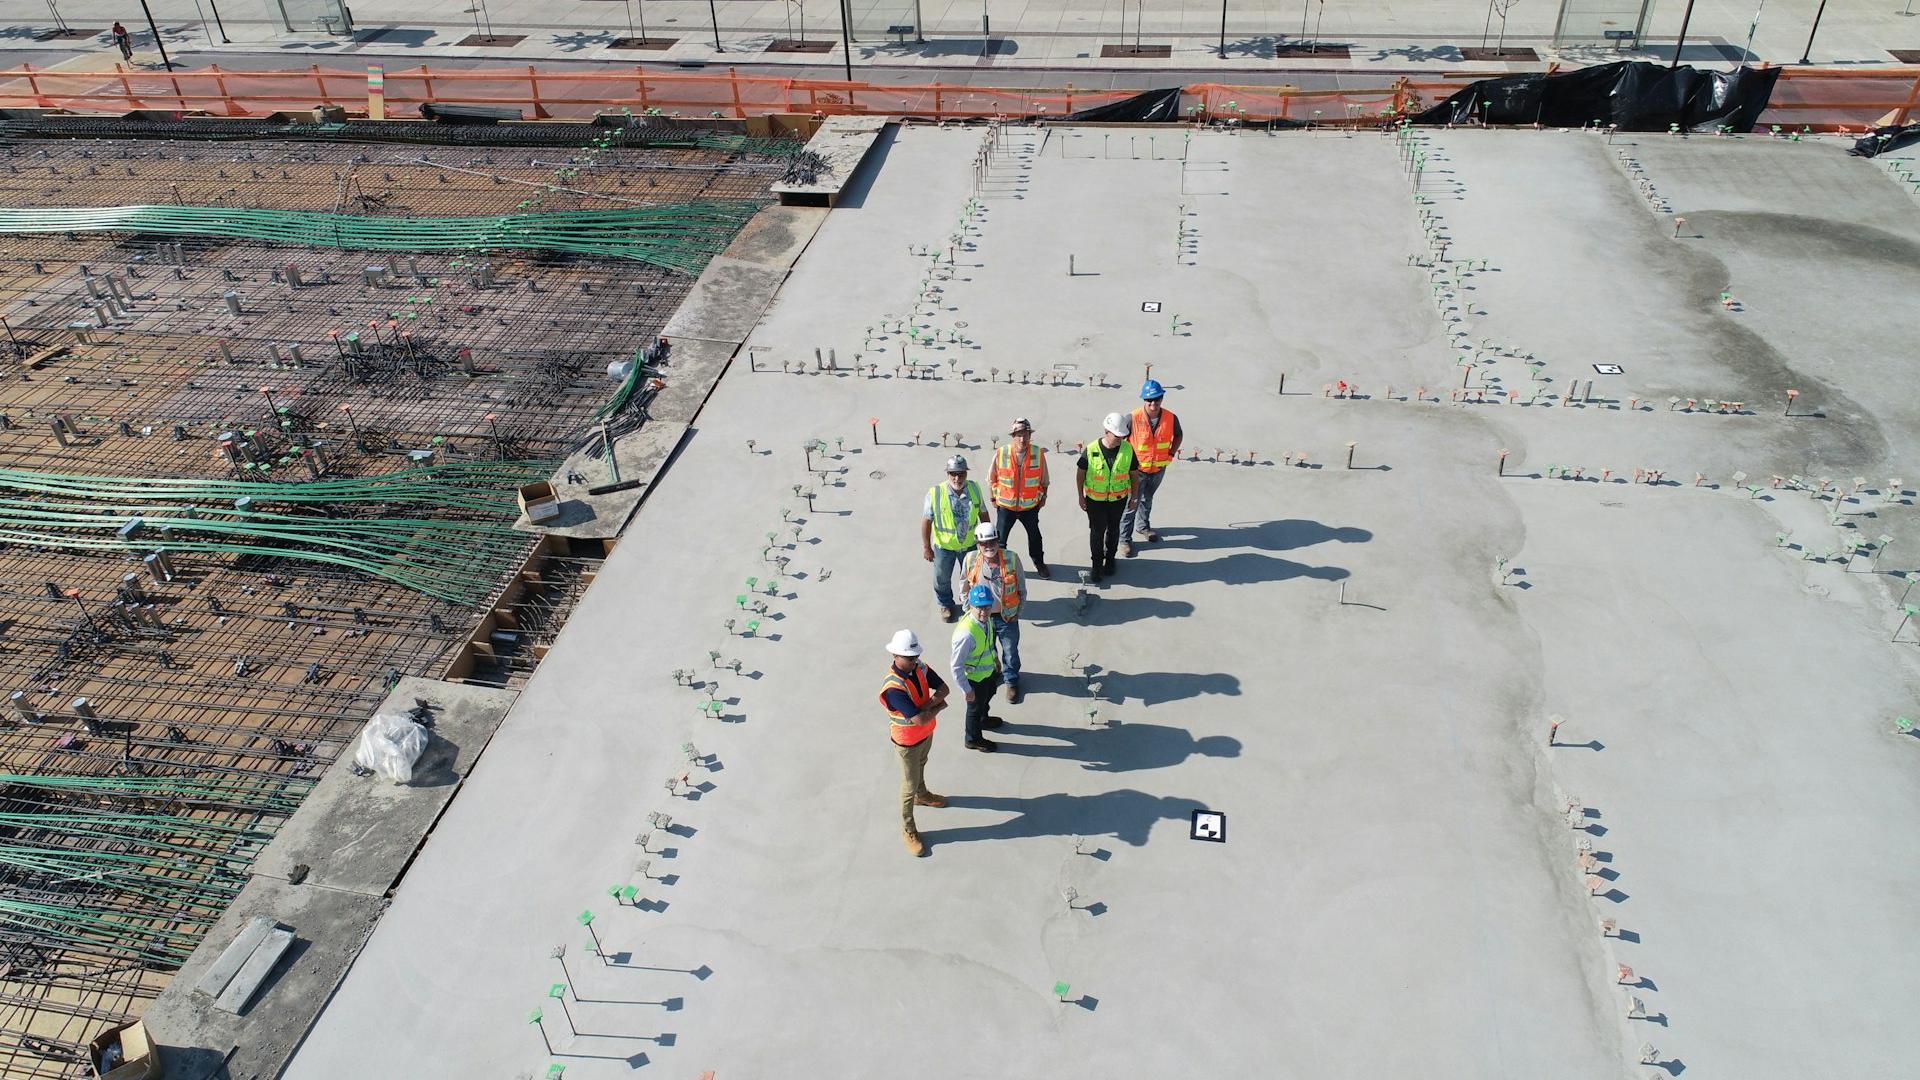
(913,777)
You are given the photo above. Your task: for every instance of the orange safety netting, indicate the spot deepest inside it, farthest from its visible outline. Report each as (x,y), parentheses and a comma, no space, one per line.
(1821,98)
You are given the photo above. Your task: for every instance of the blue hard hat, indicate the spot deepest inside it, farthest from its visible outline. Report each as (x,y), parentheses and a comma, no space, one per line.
(980,596)
(1151,391)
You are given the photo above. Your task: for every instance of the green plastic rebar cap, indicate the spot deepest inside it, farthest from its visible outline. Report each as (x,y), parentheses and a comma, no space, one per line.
(1903,725)
(585,918)
(555,1071)
(628,892)
(534,1016)
(557,990)
(1060,989)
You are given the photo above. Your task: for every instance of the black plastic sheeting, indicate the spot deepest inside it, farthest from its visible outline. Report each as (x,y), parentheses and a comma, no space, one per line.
(1152,107)
(1635,95)
(1886,139)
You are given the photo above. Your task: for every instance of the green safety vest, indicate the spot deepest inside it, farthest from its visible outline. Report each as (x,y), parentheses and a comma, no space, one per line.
(980,661)
(1109,480)
(948,533)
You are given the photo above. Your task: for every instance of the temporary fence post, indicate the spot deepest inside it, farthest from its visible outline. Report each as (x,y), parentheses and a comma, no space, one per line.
(126,87)
(640,76)
(733,80)
(220,84)
(533,91)
(937,115)
(33,86)
(320,83)
(1913,99)
(426,77)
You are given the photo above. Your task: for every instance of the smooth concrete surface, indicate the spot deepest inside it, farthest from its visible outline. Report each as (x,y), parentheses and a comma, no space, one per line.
(1358,665)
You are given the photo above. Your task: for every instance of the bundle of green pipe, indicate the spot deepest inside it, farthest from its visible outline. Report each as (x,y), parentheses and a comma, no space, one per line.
(458,559)
(674,236)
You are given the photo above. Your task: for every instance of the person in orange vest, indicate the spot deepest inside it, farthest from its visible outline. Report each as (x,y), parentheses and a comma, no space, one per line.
(913,696)
(1155,434)
(1107,478)
(999,570)
(1019,482)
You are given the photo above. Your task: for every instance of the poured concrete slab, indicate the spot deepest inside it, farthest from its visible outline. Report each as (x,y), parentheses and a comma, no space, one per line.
(843,142)
(1350,639)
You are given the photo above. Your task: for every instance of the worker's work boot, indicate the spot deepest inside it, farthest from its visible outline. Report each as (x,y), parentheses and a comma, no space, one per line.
(928,798)
(1012,693)
(915,846)
(949,614)
(1150,536)
(1040,567)
(1126,549)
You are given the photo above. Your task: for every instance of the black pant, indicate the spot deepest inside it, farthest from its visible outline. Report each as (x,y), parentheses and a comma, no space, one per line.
(1003,520)
(1103,531)
(982,701)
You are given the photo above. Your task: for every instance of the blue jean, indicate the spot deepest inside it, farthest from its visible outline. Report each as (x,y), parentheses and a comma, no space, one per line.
(1006,637)
(1141,507)
(944,562)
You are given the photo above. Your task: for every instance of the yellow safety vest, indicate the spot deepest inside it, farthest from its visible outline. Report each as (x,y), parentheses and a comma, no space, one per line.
(1107,481)
(948,533)
(980,662)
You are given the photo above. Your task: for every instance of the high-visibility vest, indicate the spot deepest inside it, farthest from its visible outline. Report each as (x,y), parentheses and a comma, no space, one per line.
(1009,582)
(980,661)
(1107,481)
(948,533)
(1016,484)
(1153,445)
(908,730)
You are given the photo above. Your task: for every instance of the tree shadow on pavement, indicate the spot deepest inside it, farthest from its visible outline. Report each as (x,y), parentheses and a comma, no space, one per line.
(1117,747)
(1126,815)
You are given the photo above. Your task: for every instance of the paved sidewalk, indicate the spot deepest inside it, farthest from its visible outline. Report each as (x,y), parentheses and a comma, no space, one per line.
(1055,35)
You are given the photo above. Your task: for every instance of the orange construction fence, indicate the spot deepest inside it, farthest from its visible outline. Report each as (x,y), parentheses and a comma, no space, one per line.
(1825,99)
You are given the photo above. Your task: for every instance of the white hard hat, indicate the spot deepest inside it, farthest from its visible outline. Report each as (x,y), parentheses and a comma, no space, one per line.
(1117,424)
(986,531)
(904,643)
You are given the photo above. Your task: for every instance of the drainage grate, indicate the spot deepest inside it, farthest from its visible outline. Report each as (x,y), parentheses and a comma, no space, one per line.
(787,45)
(1511,52)
(1313,51)
(1139,52)
(642,43)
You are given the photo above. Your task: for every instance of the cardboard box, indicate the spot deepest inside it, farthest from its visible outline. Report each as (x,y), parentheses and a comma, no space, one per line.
(538,502)
(138,1061)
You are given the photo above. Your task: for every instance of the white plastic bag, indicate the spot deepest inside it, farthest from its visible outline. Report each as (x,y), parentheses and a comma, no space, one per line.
(390,745)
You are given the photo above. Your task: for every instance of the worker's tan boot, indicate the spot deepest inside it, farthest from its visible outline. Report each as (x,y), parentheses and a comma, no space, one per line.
(914,844)
(928,798)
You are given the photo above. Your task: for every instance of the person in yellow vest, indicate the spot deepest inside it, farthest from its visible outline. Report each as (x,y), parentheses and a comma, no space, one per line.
(999,569)
(913,696)
(1107,477)
(1018,482)
(947,521)
(1155,434)
(974,667)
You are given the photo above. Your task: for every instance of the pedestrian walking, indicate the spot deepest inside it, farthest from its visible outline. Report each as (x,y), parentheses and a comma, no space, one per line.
(913,696)
(975,668)
(1107,477)
(952,511)
(1019,482)
(124,40)
(998,569)
(1155,434)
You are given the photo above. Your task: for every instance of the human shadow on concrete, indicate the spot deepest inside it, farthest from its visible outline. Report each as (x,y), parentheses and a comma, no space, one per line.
(1283,534)
(1117,747)
(1160,687)
(1241,568)
(1126,815)
(1102,610)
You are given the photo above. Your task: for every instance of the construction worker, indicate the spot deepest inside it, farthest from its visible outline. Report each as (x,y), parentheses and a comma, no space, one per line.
(998,569)
(1155,434)
(947,522)
(974,666)
(913,696)
(1107,477)
(1019,485)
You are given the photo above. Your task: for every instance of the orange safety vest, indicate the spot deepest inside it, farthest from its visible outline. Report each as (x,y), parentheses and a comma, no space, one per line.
(1016,484)
(1152,446)
(1009,584)
(906,730)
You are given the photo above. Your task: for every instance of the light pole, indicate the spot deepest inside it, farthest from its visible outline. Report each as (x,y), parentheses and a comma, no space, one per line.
(157,43)
(715,12)
(846,39)
(1808,51)
(1681,43)
(1223,29)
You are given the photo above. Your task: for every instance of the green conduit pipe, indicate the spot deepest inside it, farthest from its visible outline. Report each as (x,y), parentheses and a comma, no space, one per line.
(675,236)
